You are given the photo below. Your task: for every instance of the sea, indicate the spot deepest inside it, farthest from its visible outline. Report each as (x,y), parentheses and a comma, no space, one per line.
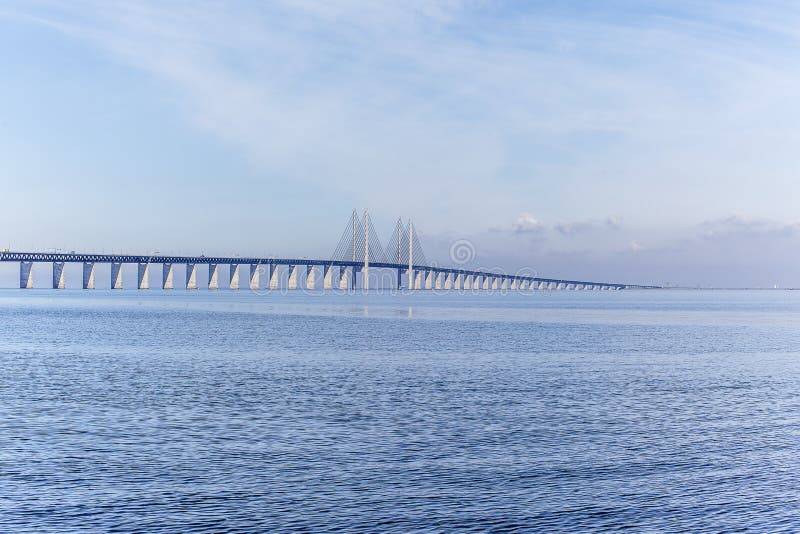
(428,411)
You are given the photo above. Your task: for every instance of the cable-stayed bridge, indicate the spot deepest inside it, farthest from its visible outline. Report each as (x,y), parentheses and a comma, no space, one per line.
(358,251)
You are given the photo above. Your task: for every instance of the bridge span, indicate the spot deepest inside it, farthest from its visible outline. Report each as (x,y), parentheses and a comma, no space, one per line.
(358,251)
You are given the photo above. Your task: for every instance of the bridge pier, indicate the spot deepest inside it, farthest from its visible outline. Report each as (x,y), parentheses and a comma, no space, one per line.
(167,275)
(467,282)
(233,270)
(327,277)
(255,277)
(191,276)
(311,275)
(418,279)
(143,279)
(486,282)
(213,276)
(344,277)
(498,284)
(429,279)
(399,279)
(116,275)
(59,276)
(293,277)
(88,275)
(26,275)
(274,276)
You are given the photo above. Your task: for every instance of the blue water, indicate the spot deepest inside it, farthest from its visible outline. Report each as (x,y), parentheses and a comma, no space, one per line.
(232,411)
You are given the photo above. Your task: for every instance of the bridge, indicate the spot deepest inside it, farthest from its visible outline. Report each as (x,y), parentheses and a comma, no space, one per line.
(359,250)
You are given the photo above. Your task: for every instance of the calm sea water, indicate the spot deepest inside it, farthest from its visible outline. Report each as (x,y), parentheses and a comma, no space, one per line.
(231,411)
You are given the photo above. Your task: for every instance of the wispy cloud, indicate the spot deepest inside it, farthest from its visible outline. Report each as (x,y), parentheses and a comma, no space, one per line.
(741,225)
(572,228)
(370,94)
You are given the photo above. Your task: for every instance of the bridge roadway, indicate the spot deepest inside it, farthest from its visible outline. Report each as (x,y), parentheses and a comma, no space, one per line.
(435,277)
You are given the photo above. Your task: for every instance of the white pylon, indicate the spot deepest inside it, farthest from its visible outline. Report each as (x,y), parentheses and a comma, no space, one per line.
(366,250)
(410,255)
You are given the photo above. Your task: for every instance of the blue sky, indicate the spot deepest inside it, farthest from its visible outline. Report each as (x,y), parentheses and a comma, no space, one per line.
(645,141)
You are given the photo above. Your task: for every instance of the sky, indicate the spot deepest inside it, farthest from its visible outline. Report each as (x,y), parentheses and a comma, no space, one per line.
(634,141)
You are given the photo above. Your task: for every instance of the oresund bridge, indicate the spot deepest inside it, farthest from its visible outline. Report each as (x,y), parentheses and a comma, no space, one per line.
(359,250)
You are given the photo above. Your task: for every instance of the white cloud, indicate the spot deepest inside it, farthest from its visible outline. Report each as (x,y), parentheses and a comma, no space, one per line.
(635,246)
(526,223)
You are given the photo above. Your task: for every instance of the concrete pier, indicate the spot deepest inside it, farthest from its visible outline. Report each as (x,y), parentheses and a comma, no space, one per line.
(26,275)
(213,276)
(233,270)
(418,280)
(327,277)
(116,275)
(191,276)
(59,276)
(274,277)
(167,276)
(255,277)
(88,275)
(429,280)
(143,278)
(344,278)
(437,281)
(293,277)
(311,277)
